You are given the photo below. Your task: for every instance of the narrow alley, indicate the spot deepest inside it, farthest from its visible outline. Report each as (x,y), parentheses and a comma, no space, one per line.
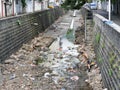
(57,59)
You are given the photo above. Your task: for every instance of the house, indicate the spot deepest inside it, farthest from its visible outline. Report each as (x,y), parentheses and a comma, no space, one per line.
(116,7)
(6,8)
(54,3)
(15,7)
(104,5)
(0,8)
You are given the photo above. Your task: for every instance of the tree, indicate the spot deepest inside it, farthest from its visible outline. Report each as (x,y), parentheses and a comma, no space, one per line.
(73,4)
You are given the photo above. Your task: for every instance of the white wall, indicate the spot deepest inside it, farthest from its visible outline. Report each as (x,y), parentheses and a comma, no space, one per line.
(37,6)
(0,8)
(45,3)
(18,7)
(29,7)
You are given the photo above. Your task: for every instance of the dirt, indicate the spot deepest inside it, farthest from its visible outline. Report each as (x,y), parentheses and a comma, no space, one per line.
(95,78)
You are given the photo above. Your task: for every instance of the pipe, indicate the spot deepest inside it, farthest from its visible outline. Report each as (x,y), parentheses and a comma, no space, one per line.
(13,8)
(71,26)
(74,14)
(5,9)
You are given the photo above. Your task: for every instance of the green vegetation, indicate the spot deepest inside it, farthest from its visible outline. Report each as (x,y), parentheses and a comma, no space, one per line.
(100,60)
(18,22)
(23,3)
(115,65)
(69,31)
(103,45)
(110,72)
(73,4)
(40,0)
(93,23)
(97,37)
(39,60)
(70,36)
(112,57)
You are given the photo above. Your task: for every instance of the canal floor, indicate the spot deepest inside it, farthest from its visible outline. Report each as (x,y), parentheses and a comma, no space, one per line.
(52,62)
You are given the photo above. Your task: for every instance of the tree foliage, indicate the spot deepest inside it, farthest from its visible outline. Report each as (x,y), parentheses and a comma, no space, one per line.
(23,3)
(73,4)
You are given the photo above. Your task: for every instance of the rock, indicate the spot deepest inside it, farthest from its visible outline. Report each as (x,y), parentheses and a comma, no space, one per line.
(14,57)
(22,56)
(9,61)
(105,89)
(54,73)
(87,81)
(62,79)
(5,72)
(38,44)
(99,78)
(28,47)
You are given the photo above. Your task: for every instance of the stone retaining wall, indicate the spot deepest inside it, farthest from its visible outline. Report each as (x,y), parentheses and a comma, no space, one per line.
(107,49)
(14,31)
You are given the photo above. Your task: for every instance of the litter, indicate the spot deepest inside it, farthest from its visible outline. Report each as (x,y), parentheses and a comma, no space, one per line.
(12,76)
(75,78)
(47,74)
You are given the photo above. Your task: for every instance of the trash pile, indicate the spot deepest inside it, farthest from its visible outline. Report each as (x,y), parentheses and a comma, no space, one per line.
(37,67)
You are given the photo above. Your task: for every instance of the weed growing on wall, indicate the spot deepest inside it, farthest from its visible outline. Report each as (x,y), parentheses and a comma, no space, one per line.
(100,60)
(93,23)
(19,22)
(97,37)
(115,66)
(112,58)
(103,44)
(110,72)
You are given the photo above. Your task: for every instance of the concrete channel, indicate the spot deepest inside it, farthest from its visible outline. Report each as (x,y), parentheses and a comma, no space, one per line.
(50,61)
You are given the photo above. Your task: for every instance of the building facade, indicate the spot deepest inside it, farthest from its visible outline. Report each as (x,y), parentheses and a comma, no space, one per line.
(116,7)
(15,7)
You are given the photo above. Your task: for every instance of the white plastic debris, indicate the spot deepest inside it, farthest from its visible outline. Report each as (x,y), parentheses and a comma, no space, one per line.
(47,74)
(75,78)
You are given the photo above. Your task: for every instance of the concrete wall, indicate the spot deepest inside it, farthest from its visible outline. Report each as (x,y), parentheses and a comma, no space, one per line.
(14,31)
(107,49)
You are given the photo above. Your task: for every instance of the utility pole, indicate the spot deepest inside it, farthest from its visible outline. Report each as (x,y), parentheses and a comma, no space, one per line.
(109,15)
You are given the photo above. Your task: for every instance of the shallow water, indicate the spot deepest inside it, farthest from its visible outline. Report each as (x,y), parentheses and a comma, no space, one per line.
(68,53)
